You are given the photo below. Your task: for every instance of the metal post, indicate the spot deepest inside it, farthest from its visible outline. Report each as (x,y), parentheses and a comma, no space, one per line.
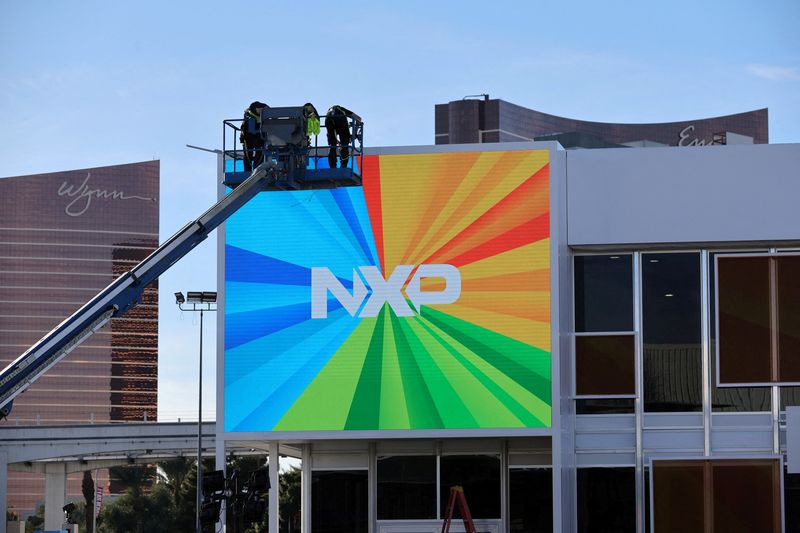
(200,302)
(200,428)
(94,509)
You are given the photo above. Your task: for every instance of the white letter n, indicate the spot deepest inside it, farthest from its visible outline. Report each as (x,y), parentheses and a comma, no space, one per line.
(322,281)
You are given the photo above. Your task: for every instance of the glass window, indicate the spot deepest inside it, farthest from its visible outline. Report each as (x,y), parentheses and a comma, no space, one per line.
(406,487)
(606,500)
(530,500)
(718,495)
(746,496)
(339,501)
(743,319)
(731,399)
(678,492)
(671,331)
(788,293)
(599,406)
(791,502)
(604,365)
(480,477)
(758,319)
(604,293)
(789,396)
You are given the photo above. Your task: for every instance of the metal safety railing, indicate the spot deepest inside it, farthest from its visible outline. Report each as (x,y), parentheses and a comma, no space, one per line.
(314,154)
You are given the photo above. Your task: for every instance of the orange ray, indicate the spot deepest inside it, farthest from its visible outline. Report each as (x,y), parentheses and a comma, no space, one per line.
(526,202)
(493,177)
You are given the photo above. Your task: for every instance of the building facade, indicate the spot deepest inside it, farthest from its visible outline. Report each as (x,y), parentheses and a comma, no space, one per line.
(558,332)
(65,236)
(482,121)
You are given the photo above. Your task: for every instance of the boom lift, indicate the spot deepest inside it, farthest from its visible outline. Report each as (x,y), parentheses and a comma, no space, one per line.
(289,163)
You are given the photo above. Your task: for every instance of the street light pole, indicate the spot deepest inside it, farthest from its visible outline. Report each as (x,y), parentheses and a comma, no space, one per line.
(200,429)
(201,302)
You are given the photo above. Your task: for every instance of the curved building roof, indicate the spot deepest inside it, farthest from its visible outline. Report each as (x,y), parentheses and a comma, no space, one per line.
(472,121)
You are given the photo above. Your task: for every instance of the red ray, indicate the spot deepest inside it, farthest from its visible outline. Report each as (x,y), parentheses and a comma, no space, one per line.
(371,181)
(530,231)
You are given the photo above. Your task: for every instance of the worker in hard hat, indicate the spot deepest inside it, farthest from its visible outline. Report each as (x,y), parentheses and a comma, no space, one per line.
(338,129)
(312,119)
(251,137)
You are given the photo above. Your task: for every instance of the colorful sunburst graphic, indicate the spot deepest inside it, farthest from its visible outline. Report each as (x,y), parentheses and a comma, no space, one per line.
(482,361)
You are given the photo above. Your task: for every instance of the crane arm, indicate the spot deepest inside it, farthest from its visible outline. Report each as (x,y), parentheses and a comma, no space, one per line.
(125,291)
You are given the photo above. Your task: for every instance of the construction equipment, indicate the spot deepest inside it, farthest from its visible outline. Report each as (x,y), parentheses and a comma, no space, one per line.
(278,171)
(457,496)
(288,142)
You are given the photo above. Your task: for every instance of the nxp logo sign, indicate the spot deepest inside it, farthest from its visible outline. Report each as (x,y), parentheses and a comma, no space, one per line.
(383,291)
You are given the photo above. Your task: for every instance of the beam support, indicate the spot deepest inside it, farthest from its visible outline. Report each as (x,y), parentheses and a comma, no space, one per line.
(274,514)
(55,495)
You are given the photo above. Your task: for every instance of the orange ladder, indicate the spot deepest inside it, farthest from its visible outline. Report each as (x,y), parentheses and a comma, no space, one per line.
(457,495)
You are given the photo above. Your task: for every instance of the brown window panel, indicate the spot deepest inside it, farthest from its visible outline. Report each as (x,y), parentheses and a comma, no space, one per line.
(716,495)
(604,365)
(788,296)
(759,319)
(744,319)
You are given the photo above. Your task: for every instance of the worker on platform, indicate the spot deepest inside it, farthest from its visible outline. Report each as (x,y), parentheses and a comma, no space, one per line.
(251,137)
(338,129)
(312,119)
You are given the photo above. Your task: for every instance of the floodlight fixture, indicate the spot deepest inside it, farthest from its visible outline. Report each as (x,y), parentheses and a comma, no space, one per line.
(209,512)
(213,482)
(209,296)
(179,299)
(194,297)
(198,297)
(259,480)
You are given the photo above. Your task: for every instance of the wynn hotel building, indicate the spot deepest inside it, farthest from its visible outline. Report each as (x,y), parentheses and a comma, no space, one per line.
(65,236)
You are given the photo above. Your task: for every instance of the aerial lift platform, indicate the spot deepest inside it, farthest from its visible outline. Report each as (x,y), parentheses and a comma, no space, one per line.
(291,162)
(283,131)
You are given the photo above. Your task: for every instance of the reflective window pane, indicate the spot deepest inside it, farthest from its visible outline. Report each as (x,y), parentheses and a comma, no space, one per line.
(744,319)
(671,331)
(598,406)
(791,502)
(678,492)
(530,500)
(406,487)
(606,500)
(479,475)
(604,293)
(788,292)
(339,501)
(730,399)
(746,496)
(604,365)
(720,495)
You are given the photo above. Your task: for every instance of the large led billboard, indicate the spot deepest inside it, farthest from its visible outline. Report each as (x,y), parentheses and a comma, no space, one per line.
(418,301)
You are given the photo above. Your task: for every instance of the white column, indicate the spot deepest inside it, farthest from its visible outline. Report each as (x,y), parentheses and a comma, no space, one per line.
(305,489)
(55,495)
(274,514)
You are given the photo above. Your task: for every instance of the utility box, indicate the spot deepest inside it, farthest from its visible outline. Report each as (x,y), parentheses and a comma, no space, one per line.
(15,526)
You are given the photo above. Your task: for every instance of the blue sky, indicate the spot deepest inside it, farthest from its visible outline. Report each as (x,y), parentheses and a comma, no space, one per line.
(165,74)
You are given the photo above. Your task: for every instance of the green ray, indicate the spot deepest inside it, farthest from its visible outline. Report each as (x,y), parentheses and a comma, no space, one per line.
(394,414)
(527,365)
(365,408)
(325,404)
(421,408)
(520,403)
